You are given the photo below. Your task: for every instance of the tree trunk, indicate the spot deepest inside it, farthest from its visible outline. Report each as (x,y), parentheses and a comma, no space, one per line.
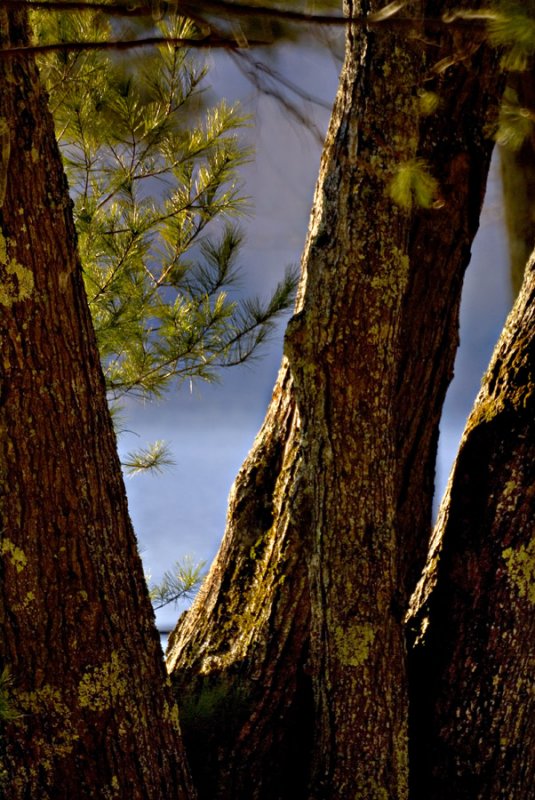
(472,615)
(78,637)
(518,177)
(291,663)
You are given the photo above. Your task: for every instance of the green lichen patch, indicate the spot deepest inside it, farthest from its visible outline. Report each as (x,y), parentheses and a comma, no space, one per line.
(15,554)
(49,703)
(170,714)
(16,281)
(353,644)
(7,711)
(485,411)
(402,762)
(46,699)
(521,568)
(369,789)
(101,686)
(112,791)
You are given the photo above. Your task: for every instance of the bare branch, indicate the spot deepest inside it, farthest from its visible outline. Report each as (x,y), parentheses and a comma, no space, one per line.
(217,7)
(211,40)
(387,16)
(266,80)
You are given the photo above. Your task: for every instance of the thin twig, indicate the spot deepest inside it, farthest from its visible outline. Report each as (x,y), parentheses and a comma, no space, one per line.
(212,40)
(388,16)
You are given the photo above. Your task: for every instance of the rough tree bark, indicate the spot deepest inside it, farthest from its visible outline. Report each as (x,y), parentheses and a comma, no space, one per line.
(291,663)
(473,611)
(77,631)
(518,176)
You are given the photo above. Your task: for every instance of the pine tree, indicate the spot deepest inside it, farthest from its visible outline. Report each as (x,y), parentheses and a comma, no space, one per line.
(154,175)
(291,666)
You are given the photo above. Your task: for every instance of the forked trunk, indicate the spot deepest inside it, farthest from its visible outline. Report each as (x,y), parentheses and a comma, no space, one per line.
(291,664)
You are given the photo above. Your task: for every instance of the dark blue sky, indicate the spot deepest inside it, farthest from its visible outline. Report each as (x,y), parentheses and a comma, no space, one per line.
(211,428)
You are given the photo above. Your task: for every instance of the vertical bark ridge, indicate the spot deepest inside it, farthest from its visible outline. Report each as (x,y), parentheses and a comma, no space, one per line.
(377,309)
(472,614)
(95,718)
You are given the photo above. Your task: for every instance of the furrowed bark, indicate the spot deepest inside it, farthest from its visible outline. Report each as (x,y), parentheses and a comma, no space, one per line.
(298,631)
(243,715)
(87,681)
(473,612)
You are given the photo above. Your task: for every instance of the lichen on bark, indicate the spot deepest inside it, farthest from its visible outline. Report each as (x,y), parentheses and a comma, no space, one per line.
(304,604)
(472,618)
(88,685)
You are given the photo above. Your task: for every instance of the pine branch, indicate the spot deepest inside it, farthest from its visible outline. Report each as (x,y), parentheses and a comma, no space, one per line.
(180,584)
(153,458)
(208,41)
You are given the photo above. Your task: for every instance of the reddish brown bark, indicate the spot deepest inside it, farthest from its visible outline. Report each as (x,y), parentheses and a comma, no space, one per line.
(77,630)
(473,693)
(297,636)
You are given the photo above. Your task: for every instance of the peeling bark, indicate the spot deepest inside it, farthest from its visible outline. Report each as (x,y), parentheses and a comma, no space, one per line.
(95,718)
(291,664)
(473,693)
